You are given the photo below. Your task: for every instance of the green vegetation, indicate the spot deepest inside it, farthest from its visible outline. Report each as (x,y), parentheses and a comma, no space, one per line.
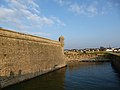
(96,52)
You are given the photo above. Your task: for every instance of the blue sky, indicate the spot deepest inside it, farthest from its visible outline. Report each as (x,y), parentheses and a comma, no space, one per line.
(83,23)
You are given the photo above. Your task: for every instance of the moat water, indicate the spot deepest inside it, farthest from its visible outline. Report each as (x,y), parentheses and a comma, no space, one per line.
(77,76)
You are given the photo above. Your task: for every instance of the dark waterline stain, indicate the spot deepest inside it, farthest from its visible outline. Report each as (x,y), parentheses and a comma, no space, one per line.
(77,76)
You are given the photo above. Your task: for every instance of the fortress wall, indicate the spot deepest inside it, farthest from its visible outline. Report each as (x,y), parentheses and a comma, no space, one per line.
(115,60)
(24,56)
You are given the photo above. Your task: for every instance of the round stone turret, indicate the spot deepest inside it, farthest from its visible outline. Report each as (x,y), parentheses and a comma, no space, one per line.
(61,39)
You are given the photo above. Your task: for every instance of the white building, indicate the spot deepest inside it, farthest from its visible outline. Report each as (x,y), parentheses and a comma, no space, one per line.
(109,50)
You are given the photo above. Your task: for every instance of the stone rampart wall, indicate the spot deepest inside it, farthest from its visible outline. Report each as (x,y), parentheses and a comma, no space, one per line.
(24,56)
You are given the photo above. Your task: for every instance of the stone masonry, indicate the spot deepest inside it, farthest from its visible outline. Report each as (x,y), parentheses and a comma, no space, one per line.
(24,56)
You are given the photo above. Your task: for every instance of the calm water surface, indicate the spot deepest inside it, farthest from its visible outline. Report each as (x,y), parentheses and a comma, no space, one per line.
(77,76)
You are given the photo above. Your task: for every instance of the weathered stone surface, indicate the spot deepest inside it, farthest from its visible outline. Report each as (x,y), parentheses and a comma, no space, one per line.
(26,56)
(115,60)
(76,56)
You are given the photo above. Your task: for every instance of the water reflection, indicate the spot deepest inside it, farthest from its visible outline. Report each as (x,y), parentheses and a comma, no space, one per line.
(77,66)
(116,71)
(91,76)
(77,76)
(50,81)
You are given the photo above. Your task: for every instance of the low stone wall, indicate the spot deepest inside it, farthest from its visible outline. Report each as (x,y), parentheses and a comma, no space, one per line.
(115,60)
(24,56)
(76,56)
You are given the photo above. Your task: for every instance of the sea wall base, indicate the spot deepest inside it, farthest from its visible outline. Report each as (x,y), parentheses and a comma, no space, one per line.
(18,79)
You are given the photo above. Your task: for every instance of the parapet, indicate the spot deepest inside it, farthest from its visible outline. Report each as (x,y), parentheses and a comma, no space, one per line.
(22,36)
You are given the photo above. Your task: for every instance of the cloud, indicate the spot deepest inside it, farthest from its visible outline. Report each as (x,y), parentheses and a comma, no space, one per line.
(60,2)
(63,2)
(38,33)
(80,8)
(5,11)
(89,8)
(76,8)
(84,9)
(58,21)
(93,8)
(24,15)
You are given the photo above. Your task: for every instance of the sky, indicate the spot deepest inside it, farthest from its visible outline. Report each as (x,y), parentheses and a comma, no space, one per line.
(83,23)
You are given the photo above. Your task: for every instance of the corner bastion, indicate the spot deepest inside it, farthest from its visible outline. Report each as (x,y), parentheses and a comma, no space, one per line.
(24,56)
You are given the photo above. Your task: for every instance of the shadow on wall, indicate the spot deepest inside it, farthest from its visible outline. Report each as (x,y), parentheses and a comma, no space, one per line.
(11,76)
(50,81)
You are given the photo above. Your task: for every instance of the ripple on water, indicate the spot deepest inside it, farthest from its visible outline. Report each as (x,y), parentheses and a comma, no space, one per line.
(92,76)
(77,76)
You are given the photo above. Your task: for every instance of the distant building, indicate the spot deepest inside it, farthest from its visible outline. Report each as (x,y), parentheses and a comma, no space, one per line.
(115,50)
(119,49)
(109,49)
(97,49)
